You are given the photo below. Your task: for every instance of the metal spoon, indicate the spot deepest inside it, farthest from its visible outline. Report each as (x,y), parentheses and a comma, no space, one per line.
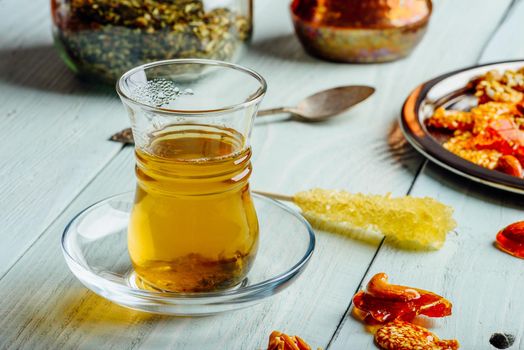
(324,104)
(317,107)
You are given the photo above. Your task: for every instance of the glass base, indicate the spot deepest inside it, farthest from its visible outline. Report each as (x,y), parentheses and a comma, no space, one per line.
(135,281)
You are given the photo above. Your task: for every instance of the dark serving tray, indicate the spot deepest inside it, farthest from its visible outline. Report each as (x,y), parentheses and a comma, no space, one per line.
(449,90)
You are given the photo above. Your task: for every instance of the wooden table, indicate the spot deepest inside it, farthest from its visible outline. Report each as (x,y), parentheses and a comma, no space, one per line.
(55,160)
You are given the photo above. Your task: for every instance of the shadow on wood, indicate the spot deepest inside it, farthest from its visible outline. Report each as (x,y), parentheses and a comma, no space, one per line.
(396,150)
(41,68)
(284,47)
(476,190)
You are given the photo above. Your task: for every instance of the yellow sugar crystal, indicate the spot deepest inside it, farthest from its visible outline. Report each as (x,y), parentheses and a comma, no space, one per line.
(408,222)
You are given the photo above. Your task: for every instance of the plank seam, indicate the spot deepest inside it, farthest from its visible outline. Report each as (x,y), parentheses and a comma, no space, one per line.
(347,312)
(419,171)
(58,216)
(504,17)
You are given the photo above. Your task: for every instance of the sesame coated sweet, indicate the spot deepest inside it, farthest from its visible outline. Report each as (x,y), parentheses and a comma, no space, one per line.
(401,335)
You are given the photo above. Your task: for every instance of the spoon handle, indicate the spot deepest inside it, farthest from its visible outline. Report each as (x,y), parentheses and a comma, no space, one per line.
(272,111)
(278,196)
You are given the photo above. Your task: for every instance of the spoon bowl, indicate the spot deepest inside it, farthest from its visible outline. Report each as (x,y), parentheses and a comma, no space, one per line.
(324,104)
(329,103)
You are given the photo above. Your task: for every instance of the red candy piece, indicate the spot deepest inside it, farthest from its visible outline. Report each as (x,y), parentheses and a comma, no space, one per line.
(510,165)
(384,302)
(511,138)
(491,141)
(511,239)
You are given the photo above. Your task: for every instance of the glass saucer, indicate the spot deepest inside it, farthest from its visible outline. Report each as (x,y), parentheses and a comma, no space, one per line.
(94,244)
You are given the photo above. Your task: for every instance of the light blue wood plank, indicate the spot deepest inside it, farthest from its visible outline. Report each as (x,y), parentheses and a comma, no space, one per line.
(53,129)
(43,306)
(483,283)
(361,151)
(504,45)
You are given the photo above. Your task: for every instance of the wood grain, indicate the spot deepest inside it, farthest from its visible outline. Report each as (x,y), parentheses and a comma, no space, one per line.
(54,129)
(504,44)
(60,312)
(484,284)
(43,306)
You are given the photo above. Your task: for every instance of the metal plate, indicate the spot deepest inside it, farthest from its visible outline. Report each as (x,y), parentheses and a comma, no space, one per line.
(449,90)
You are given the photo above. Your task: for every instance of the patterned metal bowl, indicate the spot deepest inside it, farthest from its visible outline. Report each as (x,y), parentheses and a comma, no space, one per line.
(360,30)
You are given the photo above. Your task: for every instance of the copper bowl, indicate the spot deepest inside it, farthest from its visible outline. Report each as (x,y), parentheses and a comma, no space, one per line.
(360,30)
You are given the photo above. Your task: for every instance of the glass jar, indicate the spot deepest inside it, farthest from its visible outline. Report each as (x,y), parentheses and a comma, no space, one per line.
(102,39)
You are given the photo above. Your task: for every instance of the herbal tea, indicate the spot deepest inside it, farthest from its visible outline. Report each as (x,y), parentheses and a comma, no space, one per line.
(193,226)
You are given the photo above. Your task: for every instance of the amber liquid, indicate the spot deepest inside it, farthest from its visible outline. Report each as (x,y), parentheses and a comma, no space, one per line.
(193,226)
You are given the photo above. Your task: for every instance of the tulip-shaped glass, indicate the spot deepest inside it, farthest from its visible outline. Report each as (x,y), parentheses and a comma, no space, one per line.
(193,226)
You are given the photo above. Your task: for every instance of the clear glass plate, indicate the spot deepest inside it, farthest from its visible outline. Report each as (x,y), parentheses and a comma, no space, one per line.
(94,244)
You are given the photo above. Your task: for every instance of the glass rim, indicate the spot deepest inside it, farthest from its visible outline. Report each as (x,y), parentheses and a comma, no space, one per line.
(120,86)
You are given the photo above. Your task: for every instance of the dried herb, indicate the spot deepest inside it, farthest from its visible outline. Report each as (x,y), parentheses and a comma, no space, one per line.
(104,38)
(125,136)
